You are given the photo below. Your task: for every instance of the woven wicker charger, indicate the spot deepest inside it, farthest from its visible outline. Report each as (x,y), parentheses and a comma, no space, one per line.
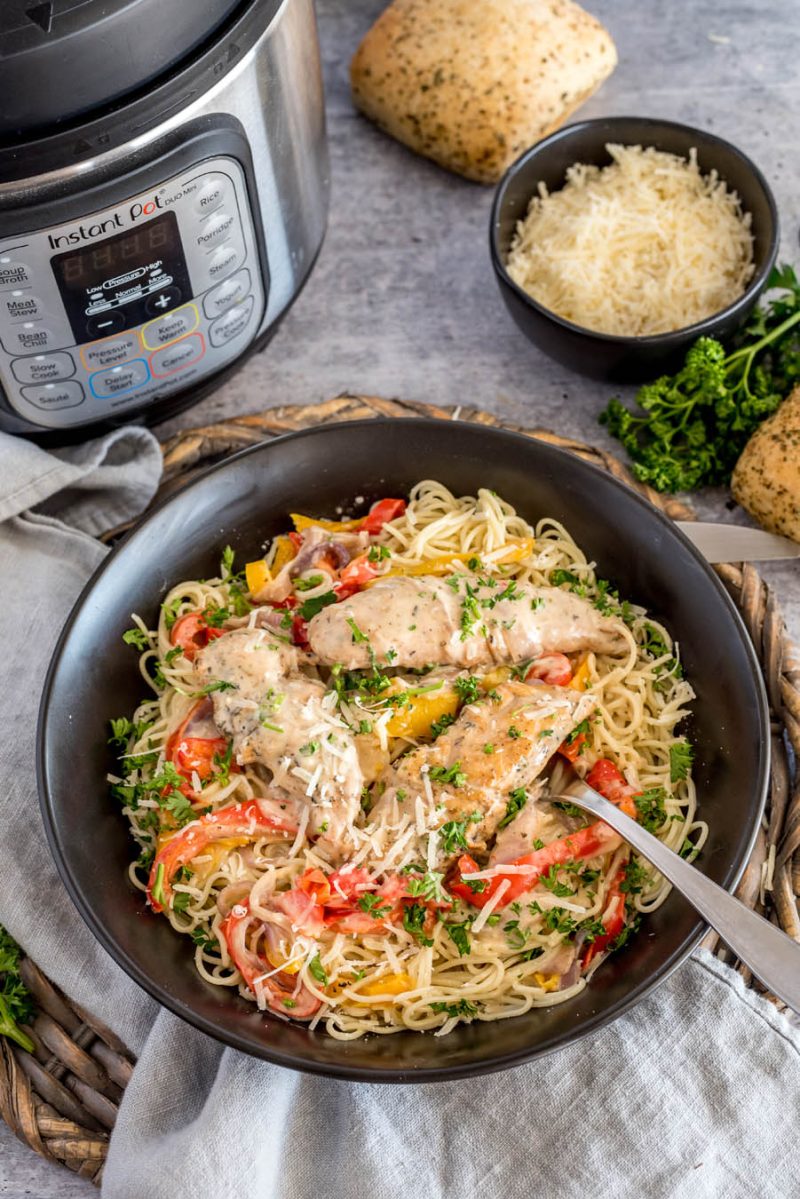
(62,1100)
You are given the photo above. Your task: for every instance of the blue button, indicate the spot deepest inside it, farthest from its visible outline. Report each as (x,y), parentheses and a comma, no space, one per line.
(119,379)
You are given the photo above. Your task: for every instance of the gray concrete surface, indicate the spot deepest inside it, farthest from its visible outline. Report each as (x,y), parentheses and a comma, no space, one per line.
(403,301)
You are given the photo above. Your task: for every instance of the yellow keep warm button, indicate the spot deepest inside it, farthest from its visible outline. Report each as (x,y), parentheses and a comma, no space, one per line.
(171,326)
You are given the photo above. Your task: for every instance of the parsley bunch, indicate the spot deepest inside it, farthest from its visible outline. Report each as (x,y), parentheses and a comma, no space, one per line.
(696,423)
(16,1006)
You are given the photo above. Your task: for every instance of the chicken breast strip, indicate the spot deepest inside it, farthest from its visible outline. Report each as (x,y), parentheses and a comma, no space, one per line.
(458,621)
(466,777)
(281,719)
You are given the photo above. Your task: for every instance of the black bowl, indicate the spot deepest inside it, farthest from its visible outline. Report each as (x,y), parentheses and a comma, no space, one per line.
(601,355)
(94,676)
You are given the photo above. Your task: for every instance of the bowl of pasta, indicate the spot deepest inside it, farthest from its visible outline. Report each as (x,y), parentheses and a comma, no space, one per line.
(303,741)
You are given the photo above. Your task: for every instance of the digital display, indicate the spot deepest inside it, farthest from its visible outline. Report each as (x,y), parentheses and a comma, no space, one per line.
(120,282)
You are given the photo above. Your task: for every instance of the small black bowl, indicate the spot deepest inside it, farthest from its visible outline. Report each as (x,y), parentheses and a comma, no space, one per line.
(248,498)
(602,355)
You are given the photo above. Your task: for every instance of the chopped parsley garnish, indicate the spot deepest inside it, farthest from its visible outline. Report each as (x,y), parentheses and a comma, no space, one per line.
(204,939)
(654,643)
(218,685)
(379,553)
(443,722)
(515,936)
(453,835)
(516,802)
(681,755)
(537,602)
(550,880)
(428,887)
(374,906)
(310,747)
(650,808)
(459,935)
(308,584)
(414,917)
(468,689)
(488,748)
(448,774)
(136,637)
(226,562)
(688,850)
(180,807)
(513,732)
(556,920)
(470,611)
(359,638)
(636,877)
(170,610)
(559,577)
(215,616)
(462,1008)
(314,605)
(317,971)
(122,730)
(580,730)
(476,885)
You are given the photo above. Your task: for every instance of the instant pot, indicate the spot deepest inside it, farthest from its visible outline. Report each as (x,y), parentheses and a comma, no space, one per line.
(163,196)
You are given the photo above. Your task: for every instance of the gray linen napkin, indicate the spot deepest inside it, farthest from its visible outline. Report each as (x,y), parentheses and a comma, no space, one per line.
(694,1093)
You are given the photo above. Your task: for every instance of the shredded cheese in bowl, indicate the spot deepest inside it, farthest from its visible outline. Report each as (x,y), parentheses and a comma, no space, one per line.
(645,245)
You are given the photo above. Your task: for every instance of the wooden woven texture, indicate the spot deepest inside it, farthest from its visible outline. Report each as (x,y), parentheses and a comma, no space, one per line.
(62,1099)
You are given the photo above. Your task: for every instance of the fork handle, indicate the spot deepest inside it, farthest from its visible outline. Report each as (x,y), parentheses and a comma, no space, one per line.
(773,957)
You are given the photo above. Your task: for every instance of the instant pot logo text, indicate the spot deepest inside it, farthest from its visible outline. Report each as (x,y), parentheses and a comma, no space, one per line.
(139,210)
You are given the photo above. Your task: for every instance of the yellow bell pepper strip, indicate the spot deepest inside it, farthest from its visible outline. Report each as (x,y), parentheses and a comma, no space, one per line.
(417,714)
(257,574)
(301,523)
(548,982)
(514,552)
(280,989)
(390,984)
(285,550)
(580,679)
(243,819)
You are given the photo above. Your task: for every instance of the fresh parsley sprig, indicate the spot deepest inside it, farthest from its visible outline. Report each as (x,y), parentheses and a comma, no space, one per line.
(694,425)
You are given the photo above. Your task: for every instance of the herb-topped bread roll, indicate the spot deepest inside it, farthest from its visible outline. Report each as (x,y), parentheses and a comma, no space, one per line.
(473,83)
(766,480)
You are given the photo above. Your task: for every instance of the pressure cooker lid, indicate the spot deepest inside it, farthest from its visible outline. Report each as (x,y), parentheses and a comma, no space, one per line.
(62,59)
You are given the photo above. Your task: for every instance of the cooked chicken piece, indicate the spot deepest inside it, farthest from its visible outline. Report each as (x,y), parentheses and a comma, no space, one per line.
(518,836)
(495,747)
(280,719)
(458,621)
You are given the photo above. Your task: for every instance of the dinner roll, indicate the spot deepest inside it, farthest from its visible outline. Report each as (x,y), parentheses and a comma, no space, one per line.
(766,480)
(473,83)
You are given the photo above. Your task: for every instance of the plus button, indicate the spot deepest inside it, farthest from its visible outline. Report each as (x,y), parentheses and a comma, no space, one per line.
(162,302)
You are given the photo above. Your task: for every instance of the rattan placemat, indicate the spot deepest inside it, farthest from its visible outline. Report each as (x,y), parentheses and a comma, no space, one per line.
(62,1100)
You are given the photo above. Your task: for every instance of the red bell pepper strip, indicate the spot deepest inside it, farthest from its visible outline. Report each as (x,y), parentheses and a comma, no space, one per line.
(613,918)
(192,746)
(382,512)
(572,750)
(192,632)
(354,576)
(553,669)
(588,842)
(241,820)
(607,778)
(282,991)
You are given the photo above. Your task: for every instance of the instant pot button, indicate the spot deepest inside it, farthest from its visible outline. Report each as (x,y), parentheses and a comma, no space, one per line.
(43,368)
(21,306)
(14,274)
(215,230)
(111,352)
(165,329)
(178,356)
(223,262)
(30,338)
(106,323)
(163,301)
(54,395)
(212,194)
(232,324)
(119,379)
(227,294)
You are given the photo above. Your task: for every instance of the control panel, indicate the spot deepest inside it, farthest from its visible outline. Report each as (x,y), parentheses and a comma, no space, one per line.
(132,303)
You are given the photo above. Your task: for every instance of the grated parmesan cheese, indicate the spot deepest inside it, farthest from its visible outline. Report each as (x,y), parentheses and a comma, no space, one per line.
(643,246)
